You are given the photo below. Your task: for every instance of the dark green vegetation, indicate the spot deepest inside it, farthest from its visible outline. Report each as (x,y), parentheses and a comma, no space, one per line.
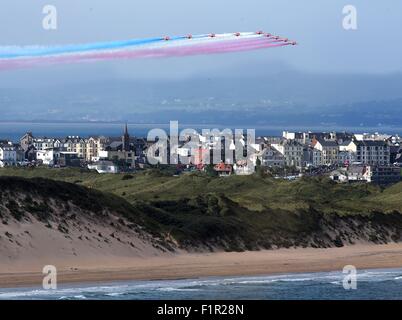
(235,213)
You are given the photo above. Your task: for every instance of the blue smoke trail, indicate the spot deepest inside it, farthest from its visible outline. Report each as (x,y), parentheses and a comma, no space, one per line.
(19,52)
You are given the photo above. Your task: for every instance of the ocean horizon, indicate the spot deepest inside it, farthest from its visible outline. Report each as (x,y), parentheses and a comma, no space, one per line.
(15,130)
(375,284)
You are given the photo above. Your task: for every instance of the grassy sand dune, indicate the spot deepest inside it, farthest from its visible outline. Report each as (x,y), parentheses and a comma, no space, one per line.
(151,225)
(198,212)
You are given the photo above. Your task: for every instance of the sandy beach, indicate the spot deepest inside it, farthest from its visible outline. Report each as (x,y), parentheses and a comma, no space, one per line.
(178,266)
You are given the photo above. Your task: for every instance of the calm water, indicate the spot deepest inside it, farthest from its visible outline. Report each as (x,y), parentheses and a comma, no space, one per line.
(371,284)
(15,130)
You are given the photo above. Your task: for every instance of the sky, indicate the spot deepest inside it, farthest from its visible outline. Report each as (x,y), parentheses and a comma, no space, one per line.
(325,46)
(331,63)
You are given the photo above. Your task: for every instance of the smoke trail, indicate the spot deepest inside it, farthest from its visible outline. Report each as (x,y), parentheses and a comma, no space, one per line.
(21,57)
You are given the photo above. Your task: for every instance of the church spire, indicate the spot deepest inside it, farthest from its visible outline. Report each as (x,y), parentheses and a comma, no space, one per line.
(126,139)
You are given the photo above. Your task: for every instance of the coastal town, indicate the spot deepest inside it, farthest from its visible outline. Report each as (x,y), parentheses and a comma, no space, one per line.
(343,157)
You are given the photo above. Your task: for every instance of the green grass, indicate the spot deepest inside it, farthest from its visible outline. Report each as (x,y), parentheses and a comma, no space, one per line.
(235,213)
(252,192)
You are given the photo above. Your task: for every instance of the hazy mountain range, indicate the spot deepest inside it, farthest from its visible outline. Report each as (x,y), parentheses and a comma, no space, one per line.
(277,97)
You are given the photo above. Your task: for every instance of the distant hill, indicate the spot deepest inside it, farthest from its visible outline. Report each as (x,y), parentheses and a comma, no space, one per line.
(265,96)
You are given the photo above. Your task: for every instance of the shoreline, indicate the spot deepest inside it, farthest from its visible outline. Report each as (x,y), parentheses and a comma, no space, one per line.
(203,265)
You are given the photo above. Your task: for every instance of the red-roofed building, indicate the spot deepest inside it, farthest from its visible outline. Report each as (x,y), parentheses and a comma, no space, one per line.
(223,169)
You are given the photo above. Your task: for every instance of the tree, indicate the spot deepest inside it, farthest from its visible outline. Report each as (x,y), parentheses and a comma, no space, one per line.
(209,169)
(259,170)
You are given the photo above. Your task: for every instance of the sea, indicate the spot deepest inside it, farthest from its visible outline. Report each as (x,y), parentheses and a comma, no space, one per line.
(15,130)
(373,284)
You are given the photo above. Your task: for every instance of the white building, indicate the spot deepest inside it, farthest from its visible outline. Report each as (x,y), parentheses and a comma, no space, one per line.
(373,136)
(104,167)
(48,156)
(8,155)
(363,173)
(339,176)
(298,136)
(46,143)
(242,169)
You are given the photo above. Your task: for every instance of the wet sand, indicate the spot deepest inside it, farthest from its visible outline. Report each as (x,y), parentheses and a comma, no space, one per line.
(184,265)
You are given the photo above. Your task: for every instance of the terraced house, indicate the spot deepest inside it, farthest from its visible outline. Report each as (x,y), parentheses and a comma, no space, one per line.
(373,152)
(292,152)
(8,154)
(270,157)
(86,149)
(329,151)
